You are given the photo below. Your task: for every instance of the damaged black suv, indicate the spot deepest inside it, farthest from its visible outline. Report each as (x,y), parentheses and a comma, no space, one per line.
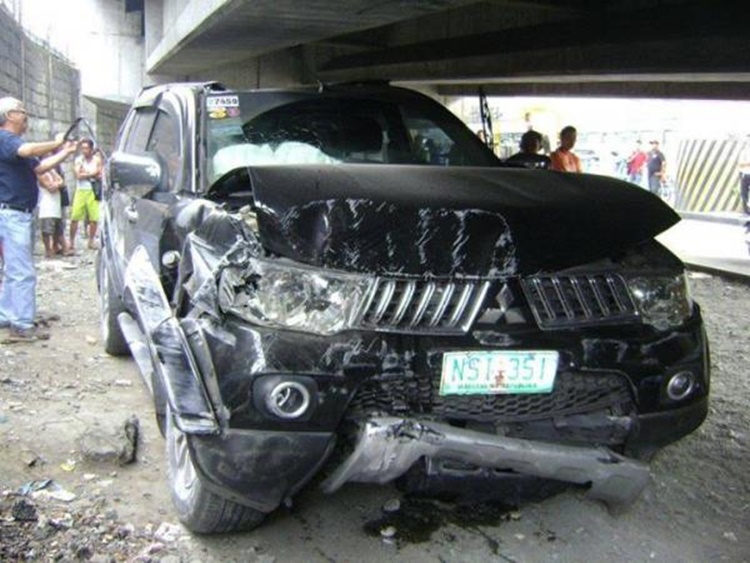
(345,281)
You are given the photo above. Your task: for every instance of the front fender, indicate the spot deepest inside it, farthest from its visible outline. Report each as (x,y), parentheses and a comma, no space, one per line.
(171,355)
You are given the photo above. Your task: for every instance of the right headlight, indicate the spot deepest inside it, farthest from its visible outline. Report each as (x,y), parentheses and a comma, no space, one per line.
(663,301)
(280,293)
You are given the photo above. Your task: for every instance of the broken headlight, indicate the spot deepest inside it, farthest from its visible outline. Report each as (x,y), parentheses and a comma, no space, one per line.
(287,295)
(663,301)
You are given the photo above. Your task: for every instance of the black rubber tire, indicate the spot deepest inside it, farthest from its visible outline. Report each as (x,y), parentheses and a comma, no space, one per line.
(109,307)
(199,509)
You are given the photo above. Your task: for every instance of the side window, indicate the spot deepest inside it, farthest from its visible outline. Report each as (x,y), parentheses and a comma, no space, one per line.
(165,141)
(139,131)
(429,142)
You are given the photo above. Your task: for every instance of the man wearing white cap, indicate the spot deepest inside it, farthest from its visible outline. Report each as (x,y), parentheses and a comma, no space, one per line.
(20,165)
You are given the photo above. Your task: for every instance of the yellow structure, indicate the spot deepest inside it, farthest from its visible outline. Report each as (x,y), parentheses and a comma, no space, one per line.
(707,178)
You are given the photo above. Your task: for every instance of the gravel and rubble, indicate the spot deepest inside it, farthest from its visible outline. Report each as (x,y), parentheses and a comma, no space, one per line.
(82,471)
(46,529)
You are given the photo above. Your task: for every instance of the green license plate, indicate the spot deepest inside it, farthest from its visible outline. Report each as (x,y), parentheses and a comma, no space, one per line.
(498,372)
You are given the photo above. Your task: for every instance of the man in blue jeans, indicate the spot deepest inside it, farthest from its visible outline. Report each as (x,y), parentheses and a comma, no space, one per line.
(20,165)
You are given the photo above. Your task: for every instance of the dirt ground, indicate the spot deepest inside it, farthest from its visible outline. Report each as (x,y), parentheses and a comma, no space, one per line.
(696,508)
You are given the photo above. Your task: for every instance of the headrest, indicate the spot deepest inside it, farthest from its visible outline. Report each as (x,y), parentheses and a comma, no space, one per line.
(361,134)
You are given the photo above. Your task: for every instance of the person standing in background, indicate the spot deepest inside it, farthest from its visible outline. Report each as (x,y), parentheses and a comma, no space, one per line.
(88,169)
(529,156)
(564,159)
(50,211)
(636,160)
(656,168)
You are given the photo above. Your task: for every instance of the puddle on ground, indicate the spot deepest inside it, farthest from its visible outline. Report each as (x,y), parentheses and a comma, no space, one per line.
(417,519)
(424,511)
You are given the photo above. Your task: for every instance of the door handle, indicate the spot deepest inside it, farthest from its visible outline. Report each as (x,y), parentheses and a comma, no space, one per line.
(131,214)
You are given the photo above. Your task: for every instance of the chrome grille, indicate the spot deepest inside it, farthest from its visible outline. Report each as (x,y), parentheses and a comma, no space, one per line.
(422,306)
(579,300)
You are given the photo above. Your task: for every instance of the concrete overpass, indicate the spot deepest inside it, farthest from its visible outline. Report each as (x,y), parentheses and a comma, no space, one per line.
(630,48)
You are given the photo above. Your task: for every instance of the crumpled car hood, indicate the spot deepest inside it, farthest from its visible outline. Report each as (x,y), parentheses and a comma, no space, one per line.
(435,221)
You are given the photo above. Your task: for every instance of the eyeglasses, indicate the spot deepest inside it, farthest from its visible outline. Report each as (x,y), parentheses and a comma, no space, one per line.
(23,111)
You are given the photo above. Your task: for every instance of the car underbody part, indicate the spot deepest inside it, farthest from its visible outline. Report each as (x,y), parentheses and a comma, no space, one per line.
(388,446)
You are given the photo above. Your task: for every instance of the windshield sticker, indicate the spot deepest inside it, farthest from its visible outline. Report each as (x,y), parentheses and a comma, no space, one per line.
(215,102)
(217,113)
(221,113)
(220,107)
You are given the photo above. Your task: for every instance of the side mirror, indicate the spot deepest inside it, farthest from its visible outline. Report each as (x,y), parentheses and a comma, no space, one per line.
(138,173)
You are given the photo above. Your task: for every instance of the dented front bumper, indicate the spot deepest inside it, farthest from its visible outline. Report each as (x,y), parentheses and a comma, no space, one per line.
(388,446)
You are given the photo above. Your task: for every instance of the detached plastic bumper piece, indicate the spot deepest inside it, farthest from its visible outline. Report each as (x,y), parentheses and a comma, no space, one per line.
(388,446)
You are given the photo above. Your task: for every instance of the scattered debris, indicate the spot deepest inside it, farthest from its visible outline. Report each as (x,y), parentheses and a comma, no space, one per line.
(69,465)
(392,505)
(388,532)
(24,511)
(42,529)
(111,446)
(168,533)
(45,488)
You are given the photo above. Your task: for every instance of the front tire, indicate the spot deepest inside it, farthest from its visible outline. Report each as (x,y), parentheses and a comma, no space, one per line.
(110,306)
(199,509)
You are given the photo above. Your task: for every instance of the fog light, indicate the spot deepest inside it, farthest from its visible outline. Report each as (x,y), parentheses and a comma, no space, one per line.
(288,399)
(680,385)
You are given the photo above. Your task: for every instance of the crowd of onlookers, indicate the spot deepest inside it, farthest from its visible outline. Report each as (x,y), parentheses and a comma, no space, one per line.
(639,165)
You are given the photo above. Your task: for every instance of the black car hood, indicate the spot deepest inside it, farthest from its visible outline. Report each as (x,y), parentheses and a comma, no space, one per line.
(435,221)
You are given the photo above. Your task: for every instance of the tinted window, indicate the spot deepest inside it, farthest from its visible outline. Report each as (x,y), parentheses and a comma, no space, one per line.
(140,130)
(165,141)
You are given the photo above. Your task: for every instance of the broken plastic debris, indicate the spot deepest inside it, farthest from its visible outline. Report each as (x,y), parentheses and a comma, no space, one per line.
(68,465)
(167,532)
(388,532)
(32,460)
(32,486)
(45,488)
(392,505)
(58,494)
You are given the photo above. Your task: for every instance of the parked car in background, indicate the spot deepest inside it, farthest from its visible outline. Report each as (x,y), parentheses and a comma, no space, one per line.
(344,280)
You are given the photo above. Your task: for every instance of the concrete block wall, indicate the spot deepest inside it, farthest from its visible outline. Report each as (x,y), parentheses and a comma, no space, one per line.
(11,39)
(105,117)
(48,85)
